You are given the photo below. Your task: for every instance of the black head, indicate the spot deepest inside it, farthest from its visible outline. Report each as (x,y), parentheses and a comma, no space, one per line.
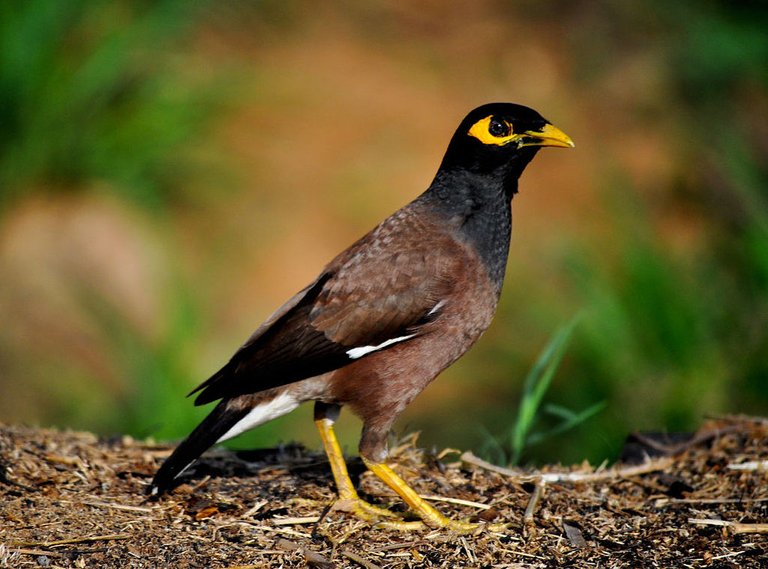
(502,138)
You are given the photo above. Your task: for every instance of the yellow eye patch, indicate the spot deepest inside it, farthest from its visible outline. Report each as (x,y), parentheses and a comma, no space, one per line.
(482,130)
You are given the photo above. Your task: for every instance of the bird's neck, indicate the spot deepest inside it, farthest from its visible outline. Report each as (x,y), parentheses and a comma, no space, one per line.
(481,210)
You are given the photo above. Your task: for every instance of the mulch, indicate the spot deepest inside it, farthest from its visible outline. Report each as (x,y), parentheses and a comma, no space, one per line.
(70,499)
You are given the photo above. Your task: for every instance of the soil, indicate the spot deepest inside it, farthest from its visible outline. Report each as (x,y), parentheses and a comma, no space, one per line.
(72,499)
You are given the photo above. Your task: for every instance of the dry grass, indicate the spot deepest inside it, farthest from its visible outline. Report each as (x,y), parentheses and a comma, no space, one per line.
(72,500)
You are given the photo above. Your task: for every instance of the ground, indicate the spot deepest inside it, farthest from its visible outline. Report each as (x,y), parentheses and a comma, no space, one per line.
(73,500)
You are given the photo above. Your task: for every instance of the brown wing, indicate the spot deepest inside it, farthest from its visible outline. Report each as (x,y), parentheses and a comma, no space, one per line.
(387,295)
(384,287)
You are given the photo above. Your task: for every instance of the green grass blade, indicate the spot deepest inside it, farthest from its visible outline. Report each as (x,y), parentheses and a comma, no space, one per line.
(536,385)
(570,420)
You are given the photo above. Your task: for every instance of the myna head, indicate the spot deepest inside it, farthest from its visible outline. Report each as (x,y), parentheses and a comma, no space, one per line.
(501,138)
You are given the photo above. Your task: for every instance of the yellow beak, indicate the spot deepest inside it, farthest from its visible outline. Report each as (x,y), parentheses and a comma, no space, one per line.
(548,136)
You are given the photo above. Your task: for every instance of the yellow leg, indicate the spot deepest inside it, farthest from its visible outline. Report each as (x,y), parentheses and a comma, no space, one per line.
(349,501)
(429,515)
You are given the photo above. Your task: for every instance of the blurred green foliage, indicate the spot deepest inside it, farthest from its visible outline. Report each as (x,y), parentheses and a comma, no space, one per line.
(522,435)
(671,336)
(157,369)
(89,91)
(97,94)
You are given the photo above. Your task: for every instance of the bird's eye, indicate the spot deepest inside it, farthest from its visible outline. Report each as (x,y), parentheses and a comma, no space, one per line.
(498,127)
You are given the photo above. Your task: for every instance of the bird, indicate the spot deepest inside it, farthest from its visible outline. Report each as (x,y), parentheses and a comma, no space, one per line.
(385,316)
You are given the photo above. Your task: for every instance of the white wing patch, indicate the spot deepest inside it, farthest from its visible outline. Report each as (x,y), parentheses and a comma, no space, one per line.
(280,405)
(436,307)
(356,353)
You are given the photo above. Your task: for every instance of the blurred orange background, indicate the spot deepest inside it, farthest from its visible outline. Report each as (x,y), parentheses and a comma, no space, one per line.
(172,174)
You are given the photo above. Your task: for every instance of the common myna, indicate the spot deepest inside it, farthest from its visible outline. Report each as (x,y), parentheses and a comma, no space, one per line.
(387,315)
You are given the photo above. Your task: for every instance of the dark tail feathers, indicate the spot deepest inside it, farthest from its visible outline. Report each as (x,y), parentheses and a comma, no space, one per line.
(205,435)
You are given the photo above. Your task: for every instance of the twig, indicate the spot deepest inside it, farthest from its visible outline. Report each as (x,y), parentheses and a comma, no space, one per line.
(359,560)
(468,551)
(457,501)
(120,507)
(295,521)
(726,555)
(523,554)
(628,472)
(549,477)
(751,465)
(37,552)
(662,502)
(111,537)
(538,492)
(470,458)
(255,508)
(446,451)
(311,557)
(201,483)
(283,531)
(393,546)
(733,527)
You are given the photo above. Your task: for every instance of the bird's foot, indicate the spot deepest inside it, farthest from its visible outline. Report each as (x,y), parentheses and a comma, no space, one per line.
(430,518)
(364,510)
(350,502)
(456,526)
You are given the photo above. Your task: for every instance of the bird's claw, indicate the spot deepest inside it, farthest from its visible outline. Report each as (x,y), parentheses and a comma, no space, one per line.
(387,519)
(364,510)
